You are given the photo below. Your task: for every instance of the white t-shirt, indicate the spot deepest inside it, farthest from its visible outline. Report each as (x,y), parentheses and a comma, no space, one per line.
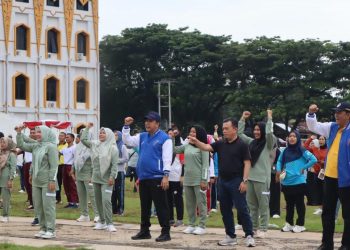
(175,170)
(28,157)
(68,155)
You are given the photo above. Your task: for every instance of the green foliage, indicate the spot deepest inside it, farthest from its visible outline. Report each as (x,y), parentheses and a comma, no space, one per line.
(215,77)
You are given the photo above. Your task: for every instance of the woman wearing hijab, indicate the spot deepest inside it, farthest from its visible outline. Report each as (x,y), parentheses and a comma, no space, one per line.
(119,185)
(83,174)
(104,156)
(294,160)
(43,176)
(195,180)
(318,148)
(258,189)
(7,171)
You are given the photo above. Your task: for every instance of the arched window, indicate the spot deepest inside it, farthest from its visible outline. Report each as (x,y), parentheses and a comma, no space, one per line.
(20,88)
(22,40)
(54,3)
(53,43)
(52,92)
(81,93)
(82,5)
(82,46)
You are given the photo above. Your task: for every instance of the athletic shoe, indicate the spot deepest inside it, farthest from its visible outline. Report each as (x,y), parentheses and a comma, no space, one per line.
(189,230)
(276,216)
(249,241)
(213,210)
(142,235)
(228,241)
(96,219)
(100,226)
(21,191)
(30,207)
(199,231)
(318,211)
(69,205)
(298,229)
(178,223)
(38,235)
(110,228)
(163,237)
(5,219)
(171,222)
(238,227)
(74,205)
(49,235)
(287,228)
(83,218)
(35,222)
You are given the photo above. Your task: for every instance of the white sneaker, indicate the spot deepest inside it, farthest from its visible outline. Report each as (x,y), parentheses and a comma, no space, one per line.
(228,241)
(100,226)
(261,234)
(96,219)
(249,241)
(38,235)
(298,229)
(199,231)
(213,210)
(287,228)
(49,235)
(5,219)
(111,228)
(318,211)
(21,191)
(238,227)
(189,230)
(276,216)
(83,218)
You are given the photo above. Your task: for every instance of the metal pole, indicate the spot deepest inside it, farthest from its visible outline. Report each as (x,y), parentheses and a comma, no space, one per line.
(169,100)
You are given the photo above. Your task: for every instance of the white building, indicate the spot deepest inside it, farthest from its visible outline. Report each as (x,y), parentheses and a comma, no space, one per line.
(49,66)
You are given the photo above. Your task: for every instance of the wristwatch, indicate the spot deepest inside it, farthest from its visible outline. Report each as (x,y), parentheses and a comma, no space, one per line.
(245,181)
(166,174)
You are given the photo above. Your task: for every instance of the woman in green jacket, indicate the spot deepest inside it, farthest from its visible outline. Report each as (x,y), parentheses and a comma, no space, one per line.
(43,173)
(7,172)
(258,189)
(195,180)
(104,156)
(83,174)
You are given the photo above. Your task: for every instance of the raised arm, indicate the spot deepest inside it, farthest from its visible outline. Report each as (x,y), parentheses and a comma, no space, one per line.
(85,137)
(27,147)
(270,137)
(315,126)
(131,141)
(241,128)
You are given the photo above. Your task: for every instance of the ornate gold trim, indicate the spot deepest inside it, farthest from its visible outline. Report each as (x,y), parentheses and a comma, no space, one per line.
(68,15)
(95,20)
(6,15)
(38,15)
(83,2)
(59,42)
(87,35)
(28,50)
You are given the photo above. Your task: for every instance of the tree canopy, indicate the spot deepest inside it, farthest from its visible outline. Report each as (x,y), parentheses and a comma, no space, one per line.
(214,77)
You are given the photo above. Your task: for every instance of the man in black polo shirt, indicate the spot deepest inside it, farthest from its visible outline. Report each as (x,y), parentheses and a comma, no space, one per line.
(234,165)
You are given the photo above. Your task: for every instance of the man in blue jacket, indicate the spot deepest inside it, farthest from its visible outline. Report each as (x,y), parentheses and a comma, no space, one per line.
(153,167)
(337,171)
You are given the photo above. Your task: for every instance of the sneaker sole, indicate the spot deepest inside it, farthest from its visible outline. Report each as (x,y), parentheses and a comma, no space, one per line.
(230,244)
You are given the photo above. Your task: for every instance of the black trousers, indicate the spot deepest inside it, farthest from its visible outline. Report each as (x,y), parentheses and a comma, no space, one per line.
(275,196)
(331,194)
(59,182)
(294,196)
(175,197)
(314,189)
(151,190)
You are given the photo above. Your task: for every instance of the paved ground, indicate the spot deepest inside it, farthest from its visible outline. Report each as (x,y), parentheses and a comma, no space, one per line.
(71,234)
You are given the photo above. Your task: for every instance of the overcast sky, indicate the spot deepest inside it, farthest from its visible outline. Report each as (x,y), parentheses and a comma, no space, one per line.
(289,19)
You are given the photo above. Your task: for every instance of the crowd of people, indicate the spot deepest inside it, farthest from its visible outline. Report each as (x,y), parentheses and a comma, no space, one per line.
(234,171)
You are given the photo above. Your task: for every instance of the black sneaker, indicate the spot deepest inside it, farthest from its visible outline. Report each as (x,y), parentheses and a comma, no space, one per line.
(344,248)
(141,236)
(325,247)
(35,222)
(163,237)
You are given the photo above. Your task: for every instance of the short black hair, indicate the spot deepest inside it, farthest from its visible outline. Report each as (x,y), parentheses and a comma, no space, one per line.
(71,135)
(233,122)
(2,135)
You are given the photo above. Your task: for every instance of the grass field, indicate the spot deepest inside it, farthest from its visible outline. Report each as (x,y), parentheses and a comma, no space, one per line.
(132,211)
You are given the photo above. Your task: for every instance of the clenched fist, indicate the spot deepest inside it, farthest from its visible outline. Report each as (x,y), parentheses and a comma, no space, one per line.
(313,108)
(128,121)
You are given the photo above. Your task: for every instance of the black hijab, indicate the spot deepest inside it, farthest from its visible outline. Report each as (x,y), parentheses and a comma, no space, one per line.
(257,145)
(293,152)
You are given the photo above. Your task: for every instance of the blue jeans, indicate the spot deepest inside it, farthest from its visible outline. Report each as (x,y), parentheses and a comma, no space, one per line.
(231,196)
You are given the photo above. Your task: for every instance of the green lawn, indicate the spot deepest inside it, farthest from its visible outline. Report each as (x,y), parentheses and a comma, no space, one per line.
(132,211)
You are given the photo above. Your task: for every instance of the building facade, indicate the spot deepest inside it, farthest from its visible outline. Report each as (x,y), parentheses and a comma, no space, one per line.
(49,62)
